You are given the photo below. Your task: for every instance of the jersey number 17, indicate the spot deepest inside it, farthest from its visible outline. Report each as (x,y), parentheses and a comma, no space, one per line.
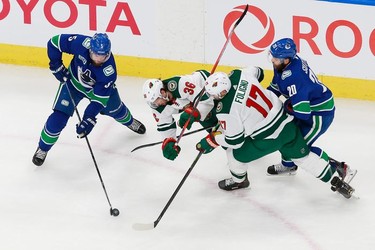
(256,95)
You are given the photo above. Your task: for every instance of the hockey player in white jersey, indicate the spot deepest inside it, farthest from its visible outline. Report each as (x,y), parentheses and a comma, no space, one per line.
(173,96)
(253,123)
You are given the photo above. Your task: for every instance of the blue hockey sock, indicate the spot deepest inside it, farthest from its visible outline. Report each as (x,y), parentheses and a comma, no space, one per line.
(124,116)
(55,123)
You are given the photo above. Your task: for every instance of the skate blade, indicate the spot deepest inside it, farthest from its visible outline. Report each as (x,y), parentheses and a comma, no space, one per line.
(352,196)
(355,197)
(349,177)
(284,174)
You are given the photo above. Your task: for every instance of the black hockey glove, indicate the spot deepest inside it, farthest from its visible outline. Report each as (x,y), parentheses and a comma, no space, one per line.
(59,71)
(85,127)
(288,106)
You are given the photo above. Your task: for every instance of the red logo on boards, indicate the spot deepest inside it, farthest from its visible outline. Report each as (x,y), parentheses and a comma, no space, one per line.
(266,22)
(354,40)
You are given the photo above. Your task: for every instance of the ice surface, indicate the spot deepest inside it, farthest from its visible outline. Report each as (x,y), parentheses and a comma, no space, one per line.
(61,205)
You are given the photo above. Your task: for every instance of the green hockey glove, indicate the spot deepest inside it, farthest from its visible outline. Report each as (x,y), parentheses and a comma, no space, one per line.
(207,144)
(170,150)
(195,116)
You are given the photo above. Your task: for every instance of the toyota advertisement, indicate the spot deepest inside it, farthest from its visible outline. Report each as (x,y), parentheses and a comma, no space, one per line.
(337,38)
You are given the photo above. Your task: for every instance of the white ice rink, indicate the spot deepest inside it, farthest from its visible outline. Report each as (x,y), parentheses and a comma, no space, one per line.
(61,205)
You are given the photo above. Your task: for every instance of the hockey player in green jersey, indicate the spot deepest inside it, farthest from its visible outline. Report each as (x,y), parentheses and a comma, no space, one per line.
(253,123)
(173,96)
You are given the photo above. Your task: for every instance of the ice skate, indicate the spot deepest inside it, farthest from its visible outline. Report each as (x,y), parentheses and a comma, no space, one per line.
(229,184)
(137,127)
(345,172)
(342,187)
(39,157)
(280,169)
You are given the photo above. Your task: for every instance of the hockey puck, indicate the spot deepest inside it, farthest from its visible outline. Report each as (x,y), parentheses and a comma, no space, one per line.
(114,212)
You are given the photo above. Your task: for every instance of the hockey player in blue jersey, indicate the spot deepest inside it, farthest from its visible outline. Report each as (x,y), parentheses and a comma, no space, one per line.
(91,74)
(307,99)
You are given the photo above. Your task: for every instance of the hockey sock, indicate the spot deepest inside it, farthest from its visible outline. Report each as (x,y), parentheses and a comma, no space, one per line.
(123,116)
(55,123)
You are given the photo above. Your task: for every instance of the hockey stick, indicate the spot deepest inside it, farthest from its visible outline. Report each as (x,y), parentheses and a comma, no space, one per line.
(113,211)
(143,226)
(149,226)
(213,70)
(160,142)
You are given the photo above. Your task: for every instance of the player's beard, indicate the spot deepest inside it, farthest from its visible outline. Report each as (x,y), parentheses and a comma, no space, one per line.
(280,67)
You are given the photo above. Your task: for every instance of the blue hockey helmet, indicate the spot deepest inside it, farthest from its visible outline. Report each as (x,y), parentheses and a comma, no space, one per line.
(100,44)
(283,48)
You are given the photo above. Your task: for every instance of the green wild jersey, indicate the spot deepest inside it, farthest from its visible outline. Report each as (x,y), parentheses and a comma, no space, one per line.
(248,110)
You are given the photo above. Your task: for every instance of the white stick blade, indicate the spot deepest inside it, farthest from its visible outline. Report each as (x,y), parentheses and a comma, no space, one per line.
(143,226)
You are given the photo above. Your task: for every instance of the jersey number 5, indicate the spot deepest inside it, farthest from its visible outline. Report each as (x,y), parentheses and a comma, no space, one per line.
(256,95)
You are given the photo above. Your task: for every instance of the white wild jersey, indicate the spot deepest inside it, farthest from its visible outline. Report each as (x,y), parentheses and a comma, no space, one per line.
(248,109)
(185,90)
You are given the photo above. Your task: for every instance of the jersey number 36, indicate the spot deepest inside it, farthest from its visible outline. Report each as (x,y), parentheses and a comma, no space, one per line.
(189,88)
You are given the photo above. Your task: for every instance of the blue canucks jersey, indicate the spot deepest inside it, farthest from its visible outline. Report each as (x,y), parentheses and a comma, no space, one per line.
(308,96)
(94,82)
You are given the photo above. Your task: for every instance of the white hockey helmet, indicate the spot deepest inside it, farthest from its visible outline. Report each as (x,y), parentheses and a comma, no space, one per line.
(216,83)
(152,91)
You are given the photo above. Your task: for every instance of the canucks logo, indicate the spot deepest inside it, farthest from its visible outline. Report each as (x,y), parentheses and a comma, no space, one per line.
(65,103)
(286,74)
(85,78)
(109,70)
(86,43)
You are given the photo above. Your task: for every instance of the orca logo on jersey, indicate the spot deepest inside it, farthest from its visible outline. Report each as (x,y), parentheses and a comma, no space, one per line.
(172,86)
(85,78)
(266,23)
(286,74)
